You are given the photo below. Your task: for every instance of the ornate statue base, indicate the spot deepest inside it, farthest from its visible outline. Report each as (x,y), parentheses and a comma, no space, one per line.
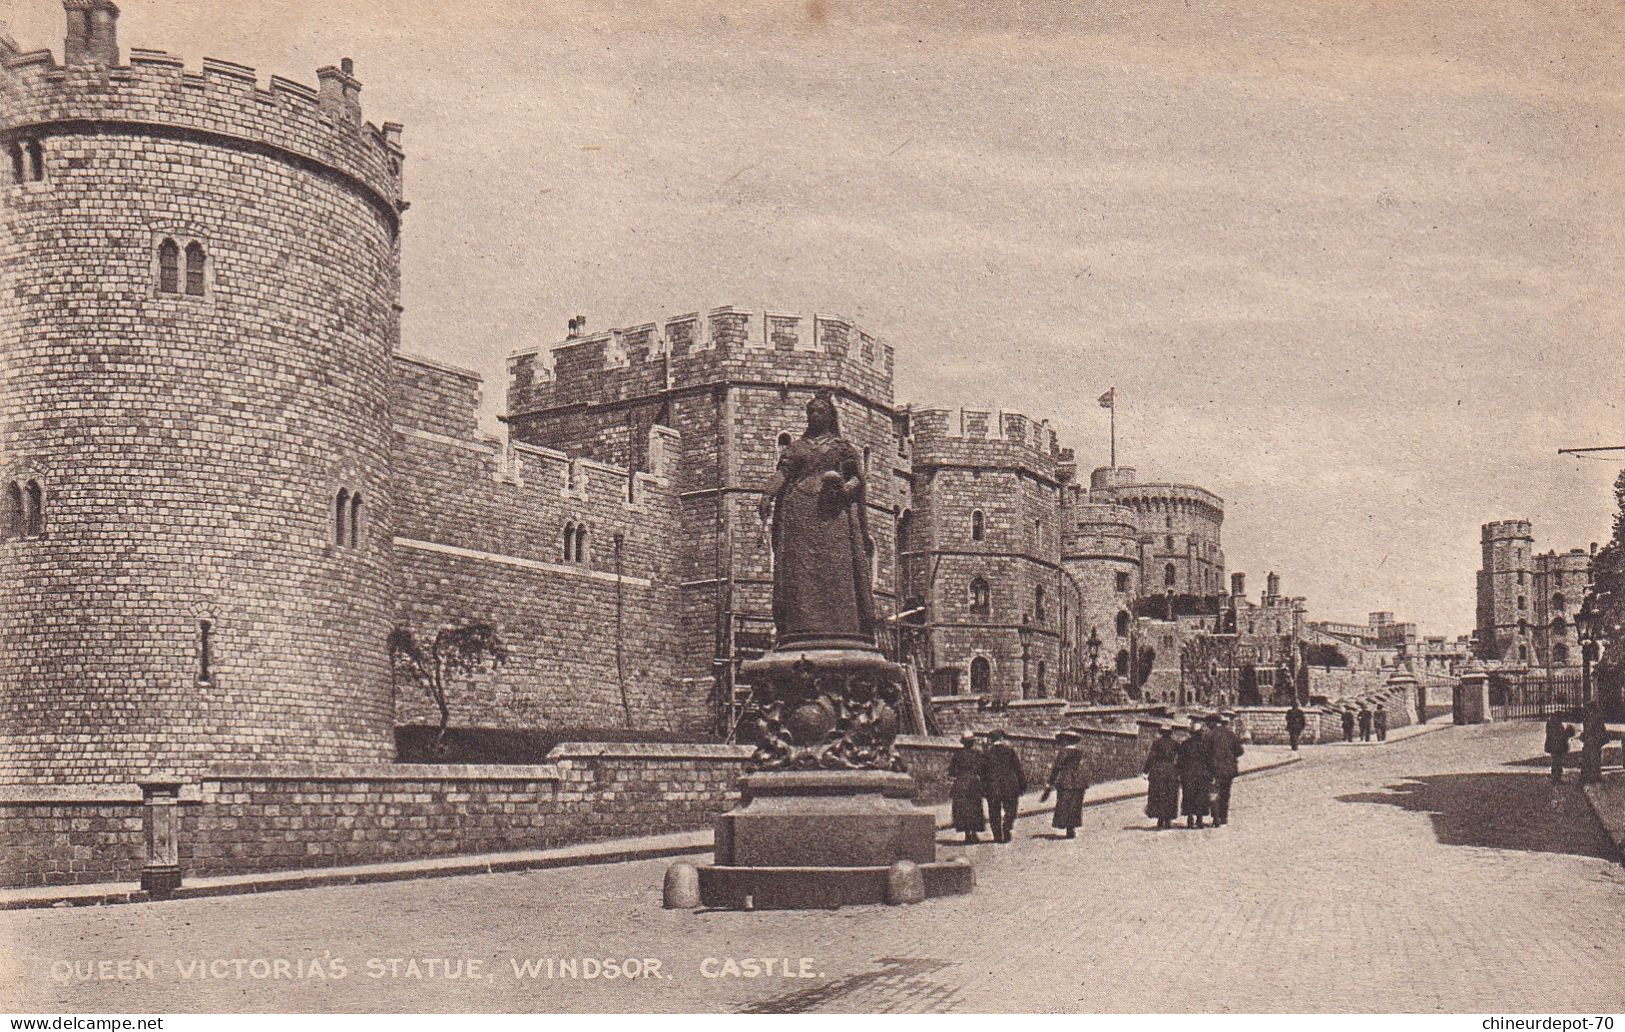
(827,814)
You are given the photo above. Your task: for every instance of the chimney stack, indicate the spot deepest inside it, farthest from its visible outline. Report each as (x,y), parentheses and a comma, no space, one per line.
(339,92)
(92,39)
(1273,586)
(1238,584)
(578,326)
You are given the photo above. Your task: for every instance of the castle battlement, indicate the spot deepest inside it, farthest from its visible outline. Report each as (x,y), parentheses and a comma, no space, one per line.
(221,104)
(1501,529)
(929,424)
(697,347)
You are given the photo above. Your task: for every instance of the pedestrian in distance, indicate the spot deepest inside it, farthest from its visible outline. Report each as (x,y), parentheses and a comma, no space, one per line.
(1557,745)
(1295,723)
(1593,736)
(967,787)
(1162,770)
(1069,780)
(1379,720)
(1195,778)
(1006,781)
(1224,750)
(1348,724)
(1365,723)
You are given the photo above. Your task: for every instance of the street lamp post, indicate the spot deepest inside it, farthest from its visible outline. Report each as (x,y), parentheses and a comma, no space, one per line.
(1026,632)
(1094,664)
(1585,622)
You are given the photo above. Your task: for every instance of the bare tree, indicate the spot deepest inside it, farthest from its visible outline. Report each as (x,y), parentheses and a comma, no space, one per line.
(455,652)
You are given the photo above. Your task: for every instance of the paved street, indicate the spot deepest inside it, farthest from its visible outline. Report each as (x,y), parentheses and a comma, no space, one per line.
(1439,873)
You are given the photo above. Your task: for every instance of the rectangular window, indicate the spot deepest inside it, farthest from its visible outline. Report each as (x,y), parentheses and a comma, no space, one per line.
(205,654)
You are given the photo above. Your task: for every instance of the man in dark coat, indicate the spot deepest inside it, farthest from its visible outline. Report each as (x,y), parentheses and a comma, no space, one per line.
(1348,724)
(967,786)
(1295,723)
(1005,783)
(1162,769)
(1224,749)
(1195,779)
(1557,745)
(1068,779)
(1379,720)
(1593,736)
(1365,723)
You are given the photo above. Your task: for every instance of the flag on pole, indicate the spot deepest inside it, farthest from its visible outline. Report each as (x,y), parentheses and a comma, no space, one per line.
(1109,399)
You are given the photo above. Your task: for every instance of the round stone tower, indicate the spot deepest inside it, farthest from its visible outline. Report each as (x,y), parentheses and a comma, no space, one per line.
(1100,550)
(197,332)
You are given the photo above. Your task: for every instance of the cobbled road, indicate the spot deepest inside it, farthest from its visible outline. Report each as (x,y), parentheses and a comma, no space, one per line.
(1437,873)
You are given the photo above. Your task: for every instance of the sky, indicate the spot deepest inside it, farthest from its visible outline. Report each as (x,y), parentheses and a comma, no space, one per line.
(1354,266)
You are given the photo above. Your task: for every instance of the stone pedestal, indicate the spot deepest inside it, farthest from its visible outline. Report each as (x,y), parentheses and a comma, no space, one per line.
(828,811)
(1472,699)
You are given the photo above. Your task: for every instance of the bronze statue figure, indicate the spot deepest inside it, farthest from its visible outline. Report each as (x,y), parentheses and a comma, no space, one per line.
(822,594)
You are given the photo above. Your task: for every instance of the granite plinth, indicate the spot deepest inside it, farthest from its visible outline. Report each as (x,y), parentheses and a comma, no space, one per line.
(817,888)
(825,819)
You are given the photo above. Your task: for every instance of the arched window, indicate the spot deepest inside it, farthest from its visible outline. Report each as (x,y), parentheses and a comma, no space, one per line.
(1043,687)
(355,519)
(1560,653)
(1122,662)
(14,511)
(195,258)
(36,160)
(978,525)
(981,676)
(569,552)
(1168,543)
(33,509)
(581,543)
(1560,626)
(1523,603)
(784,440)
(169,262)
(1038,603)
(1170,574)
(341,516)
(18,172)
(981,602)
(1523,626)
(1523,653)
(874,563)
(1122,624)
(1558,601)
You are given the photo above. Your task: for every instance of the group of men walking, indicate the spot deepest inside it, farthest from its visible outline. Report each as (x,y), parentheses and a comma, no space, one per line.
(1593,736)
(993,775)
(1370,720)
(1193,776)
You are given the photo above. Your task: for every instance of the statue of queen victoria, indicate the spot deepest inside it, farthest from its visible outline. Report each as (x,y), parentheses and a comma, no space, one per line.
(822,596)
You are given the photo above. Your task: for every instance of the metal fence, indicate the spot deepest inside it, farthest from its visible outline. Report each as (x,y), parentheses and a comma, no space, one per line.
(1535,694)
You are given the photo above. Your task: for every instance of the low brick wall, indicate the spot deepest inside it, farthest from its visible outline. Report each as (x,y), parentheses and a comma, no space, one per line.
(285,817)
(70,835)
(955,714)
(1109,755)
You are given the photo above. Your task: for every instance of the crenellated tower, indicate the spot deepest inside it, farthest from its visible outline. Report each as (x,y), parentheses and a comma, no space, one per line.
(197,329)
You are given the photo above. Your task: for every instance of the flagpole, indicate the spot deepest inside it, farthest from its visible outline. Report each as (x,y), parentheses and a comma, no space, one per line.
(1114,427)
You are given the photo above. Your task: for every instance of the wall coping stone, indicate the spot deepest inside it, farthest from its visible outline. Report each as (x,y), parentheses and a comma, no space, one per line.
(651,751)
(383,772)
(50,795)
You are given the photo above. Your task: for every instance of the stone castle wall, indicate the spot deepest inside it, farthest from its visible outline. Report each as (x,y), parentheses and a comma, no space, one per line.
(480,536)
(185,602)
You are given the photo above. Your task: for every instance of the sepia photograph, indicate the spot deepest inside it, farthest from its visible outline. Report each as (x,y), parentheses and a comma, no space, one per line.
(549,507)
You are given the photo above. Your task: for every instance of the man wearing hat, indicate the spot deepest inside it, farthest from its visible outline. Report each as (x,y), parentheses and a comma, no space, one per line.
(1195,777)
(1224,749)
(1162,771)
(1348,724)
(967,785)
(1295,723)
(1068,779)
(1005,783)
